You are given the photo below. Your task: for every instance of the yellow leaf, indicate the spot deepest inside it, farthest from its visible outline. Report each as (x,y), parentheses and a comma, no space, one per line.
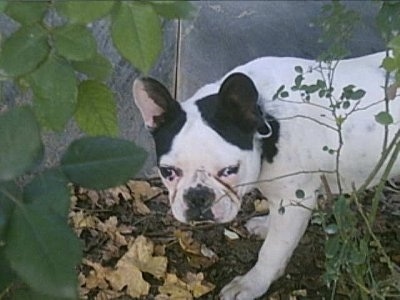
(140,254)
(261,205)
(130,277)
(142,190)
(197,285)
(175,288)
(187,243)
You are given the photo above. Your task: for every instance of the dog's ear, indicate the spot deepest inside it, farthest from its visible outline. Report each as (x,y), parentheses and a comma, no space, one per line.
(237,102)
(154,102)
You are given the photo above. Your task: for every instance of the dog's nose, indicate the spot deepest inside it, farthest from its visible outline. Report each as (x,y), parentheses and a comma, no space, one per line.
(199,200)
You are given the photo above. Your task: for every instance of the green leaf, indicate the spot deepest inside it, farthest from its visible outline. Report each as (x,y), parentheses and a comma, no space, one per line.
(331,229)
(332,247)
(96,112)
(356,256)
(7,276)
(9,193)
(97,67)
(24,293)
(23,51)
(276,95)
(84,11)
(298,69)
(298,80)
(26,12)
(102,162)
(136,32)
(174,9)
(387,19)
(55,93)
(357,95)
(20,147)
(312,88)
(43,251)
(284,94)
(395,43)
(74,42)
(346,104)
(384,118)
(3,5)
(389,64)
(49,192)
(300,194)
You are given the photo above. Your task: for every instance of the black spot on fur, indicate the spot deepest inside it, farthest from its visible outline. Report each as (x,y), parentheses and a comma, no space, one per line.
(228,130)
(164,135)
(234,134)
(269,148)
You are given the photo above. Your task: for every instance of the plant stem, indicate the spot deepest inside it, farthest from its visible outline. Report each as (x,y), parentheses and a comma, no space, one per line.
(379,165)
(385,175)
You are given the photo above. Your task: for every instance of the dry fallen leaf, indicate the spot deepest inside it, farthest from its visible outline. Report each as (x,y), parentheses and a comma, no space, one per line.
(110,226)
(199,256)
(81,221)
(187,243)
(129,276)
(142,191)
(141,255)
(197,285)
(193,286)
(174,288)
(261,206)
(97,276)
(231,235)
(138,259)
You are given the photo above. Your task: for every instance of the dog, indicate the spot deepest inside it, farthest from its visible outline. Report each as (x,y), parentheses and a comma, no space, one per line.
(243,131)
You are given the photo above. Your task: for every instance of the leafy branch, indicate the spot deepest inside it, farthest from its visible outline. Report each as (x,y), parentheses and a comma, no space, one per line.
(53,56)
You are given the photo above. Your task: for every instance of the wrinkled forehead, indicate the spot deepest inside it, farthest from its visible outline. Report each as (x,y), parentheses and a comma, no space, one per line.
(197,146)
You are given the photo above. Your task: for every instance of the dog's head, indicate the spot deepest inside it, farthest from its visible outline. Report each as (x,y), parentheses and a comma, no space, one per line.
(208,150)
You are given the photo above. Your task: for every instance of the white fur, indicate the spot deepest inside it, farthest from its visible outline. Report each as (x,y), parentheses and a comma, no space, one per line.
(302,138)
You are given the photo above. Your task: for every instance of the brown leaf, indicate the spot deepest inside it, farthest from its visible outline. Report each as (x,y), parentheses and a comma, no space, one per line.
(392,90)
(193,286)
(97,276)
(197,285)
(174,288)
(129,276)
(140,254)
(187,243)
(142,191)
(261,206)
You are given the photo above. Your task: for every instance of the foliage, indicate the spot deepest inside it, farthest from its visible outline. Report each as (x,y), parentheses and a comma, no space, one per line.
(347,227)
(53,55)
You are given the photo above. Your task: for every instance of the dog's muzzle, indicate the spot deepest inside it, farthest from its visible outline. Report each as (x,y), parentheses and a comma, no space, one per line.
(199,200)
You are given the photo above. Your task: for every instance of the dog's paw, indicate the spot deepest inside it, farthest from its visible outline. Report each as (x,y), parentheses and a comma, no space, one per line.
(258,226)
(243,288)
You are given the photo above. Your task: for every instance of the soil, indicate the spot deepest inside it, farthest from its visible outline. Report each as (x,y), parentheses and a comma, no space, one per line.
(231,256)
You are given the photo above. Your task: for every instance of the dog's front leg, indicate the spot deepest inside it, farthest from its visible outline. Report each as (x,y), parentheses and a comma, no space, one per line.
(285,230)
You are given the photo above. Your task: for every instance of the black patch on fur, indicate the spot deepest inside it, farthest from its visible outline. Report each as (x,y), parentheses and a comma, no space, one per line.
(173,121)
(225,128)
(269,148)
(234,134)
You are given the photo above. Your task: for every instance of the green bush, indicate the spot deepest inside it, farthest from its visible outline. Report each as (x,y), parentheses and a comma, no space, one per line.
(62,68)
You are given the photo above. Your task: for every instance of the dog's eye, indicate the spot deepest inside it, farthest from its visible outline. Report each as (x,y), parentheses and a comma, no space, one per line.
(169,172)
(228,171)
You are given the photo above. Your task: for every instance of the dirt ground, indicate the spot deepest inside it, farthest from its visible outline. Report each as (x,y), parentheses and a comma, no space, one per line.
(133,223)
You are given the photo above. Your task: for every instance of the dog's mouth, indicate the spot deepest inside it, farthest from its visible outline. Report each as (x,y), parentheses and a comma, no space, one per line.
(209,201)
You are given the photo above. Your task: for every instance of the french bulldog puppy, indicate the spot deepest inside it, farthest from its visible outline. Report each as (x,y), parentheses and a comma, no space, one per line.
(236,133)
